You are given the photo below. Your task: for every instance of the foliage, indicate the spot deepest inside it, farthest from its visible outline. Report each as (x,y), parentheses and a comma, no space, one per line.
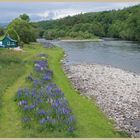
(45,103)
(123,24)
(25,17)
(87,114)
(20,29)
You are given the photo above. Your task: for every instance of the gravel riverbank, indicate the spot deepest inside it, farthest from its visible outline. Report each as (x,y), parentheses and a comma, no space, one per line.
(117,92)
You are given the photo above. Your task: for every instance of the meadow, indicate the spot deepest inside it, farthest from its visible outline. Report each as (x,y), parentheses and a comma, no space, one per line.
(35,75)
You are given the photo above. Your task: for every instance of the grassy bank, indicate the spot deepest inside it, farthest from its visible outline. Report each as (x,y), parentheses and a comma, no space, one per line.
(91,122)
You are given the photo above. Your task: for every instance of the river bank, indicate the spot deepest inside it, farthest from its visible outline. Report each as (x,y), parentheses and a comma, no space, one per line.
(87,114)
(81,40)
(116,92)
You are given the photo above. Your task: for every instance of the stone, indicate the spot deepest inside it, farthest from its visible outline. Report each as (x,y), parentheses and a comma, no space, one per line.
(116,92)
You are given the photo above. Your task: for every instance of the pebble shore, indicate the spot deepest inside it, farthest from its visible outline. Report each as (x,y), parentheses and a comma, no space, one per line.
(116,92)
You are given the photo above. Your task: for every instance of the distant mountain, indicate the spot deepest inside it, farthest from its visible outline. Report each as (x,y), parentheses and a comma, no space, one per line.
(124,24)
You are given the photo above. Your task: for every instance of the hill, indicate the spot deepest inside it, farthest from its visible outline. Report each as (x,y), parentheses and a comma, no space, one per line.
(124,24)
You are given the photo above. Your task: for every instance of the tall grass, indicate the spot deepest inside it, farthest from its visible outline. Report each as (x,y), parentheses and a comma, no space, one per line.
(11,67)
(90,121)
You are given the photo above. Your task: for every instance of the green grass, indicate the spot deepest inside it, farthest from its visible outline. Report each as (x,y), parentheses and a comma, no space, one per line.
(11,67)
(91,122)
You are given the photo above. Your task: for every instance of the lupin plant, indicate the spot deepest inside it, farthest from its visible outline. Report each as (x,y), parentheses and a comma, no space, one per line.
(44,103)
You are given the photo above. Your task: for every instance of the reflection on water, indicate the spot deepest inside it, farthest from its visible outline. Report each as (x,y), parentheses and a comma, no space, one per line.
(121,54)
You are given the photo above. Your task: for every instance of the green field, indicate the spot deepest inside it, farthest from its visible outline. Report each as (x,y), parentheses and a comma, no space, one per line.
(15,67)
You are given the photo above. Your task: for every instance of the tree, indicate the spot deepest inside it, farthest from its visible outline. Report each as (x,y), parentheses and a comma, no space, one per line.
(50,34)
(21,30)
(25,17)
(124,23)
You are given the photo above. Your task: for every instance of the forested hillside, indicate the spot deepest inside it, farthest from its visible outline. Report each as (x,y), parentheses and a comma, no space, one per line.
(124,24)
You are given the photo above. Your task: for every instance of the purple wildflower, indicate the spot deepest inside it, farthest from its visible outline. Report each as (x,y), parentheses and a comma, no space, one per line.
(36,82)
(27,91)
(70,129)
(23,102)
(43,121)
(47,77)
(70,120)
(28,108)
(49,89)
(20,92)
(42,112)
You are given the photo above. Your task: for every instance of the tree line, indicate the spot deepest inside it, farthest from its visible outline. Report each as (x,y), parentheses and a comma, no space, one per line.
(124,24)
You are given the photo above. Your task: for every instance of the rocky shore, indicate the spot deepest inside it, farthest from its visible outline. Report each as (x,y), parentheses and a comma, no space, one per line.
(117,92)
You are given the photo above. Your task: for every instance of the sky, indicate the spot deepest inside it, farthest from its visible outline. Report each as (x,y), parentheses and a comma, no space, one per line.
(46,10)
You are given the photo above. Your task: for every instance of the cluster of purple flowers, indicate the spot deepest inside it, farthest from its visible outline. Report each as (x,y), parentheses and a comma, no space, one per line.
(44,103)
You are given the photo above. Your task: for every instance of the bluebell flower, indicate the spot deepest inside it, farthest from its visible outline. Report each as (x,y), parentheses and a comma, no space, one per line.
(28,108)
(46,100)
(42,112)
(49,72)
(26,91)
(70,129)
(43,121)
(20,92)
(71,120)
(23,102)
(47,77)
(36,82)
(33,93)
(49,89)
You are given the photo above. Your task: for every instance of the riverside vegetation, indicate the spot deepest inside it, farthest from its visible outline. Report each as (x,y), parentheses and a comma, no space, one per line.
(90,121)
(35,110)
(123,24)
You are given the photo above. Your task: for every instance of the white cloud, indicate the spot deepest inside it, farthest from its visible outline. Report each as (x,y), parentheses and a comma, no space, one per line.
(43,10)
(55,14)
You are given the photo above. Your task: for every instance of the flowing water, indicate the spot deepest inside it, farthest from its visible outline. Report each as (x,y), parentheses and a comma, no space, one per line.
(117,53)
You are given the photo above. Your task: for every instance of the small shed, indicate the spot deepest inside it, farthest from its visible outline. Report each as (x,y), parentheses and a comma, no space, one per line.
(7,42)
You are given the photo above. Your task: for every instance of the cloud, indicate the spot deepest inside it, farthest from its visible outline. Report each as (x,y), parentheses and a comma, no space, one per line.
(55,14)
(45,11)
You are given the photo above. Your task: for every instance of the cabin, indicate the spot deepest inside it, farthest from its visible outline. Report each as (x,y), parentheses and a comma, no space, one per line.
(8,42)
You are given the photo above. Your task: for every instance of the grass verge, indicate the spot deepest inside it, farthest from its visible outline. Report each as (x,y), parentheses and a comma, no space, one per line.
(91,122)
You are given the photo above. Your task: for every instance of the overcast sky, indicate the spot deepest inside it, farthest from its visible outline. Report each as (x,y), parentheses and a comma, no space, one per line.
(47,10)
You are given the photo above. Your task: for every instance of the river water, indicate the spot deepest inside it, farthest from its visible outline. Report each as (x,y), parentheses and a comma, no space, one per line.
(117,53)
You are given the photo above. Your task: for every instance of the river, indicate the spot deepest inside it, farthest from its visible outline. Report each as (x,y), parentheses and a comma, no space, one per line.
(116,92)
(117,53)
